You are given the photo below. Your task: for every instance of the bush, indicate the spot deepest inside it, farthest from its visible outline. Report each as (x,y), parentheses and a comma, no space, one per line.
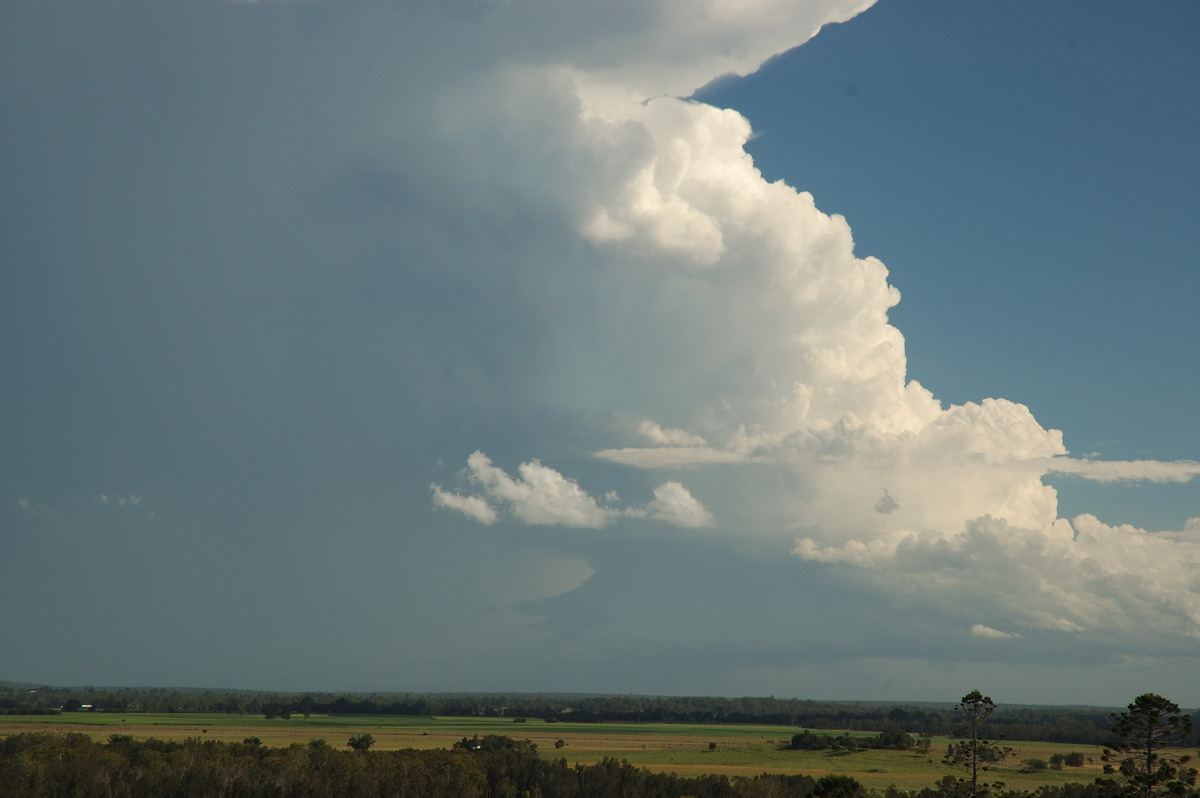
(838,786)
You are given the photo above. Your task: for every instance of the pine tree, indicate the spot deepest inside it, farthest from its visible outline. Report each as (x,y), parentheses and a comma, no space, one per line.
(972,751)
(1148,728)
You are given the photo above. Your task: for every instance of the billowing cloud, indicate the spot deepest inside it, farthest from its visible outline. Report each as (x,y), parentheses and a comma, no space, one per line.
(1082,577)
(741,311)
(539,495)
(673,504)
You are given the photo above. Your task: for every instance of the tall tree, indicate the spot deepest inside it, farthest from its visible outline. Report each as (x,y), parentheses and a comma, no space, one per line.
(1148,728)
(361,742)
(972,751)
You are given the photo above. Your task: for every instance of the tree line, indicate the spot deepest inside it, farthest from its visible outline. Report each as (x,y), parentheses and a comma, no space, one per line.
(1082,725)
(1143,761)
(45,765)
(33,765)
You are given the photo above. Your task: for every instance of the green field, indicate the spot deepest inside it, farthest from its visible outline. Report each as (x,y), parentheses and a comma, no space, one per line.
(679,748)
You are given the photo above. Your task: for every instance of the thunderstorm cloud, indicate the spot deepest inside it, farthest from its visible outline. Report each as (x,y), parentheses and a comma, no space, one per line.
(471,300)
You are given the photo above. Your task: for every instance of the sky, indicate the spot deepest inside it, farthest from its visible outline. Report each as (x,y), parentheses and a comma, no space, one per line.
(824,349)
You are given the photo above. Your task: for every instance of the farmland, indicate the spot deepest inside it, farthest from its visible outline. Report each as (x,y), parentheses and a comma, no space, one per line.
(684,749)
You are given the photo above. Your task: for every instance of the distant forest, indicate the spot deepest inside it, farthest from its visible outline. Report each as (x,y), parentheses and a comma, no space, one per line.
(1082,725)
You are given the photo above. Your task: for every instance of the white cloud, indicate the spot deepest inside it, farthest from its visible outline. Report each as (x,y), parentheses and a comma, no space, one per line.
(980,630)
(672,48)
(668,456)
(539,495)
(667,436)
(673,504)
(474,507)
(1084,577)
(1125,470)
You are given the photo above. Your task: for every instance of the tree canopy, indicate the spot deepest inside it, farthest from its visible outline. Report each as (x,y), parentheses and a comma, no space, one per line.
(1147,729)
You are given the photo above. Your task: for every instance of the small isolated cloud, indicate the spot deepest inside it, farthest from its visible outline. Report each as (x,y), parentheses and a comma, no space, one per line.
(121,501)
(1125,470)
(34,508)
(980,630)
(539,495)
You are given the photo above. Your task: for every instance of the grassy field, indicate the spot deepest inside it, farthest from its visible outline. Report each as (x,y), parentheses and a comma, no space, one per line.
(678,748)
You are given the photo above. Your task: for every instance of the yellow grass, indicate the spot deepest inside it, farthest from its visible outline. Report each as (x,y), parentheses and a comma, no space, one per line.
(675,748)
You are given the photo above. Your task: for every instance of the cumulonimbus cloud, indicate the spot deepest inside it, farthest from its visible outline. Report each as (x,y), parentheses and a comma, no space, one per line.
(748,319)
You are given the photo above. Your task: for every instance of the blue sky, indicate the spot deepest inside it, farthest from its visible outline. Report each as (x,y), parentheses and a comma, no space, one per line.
(382,346)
